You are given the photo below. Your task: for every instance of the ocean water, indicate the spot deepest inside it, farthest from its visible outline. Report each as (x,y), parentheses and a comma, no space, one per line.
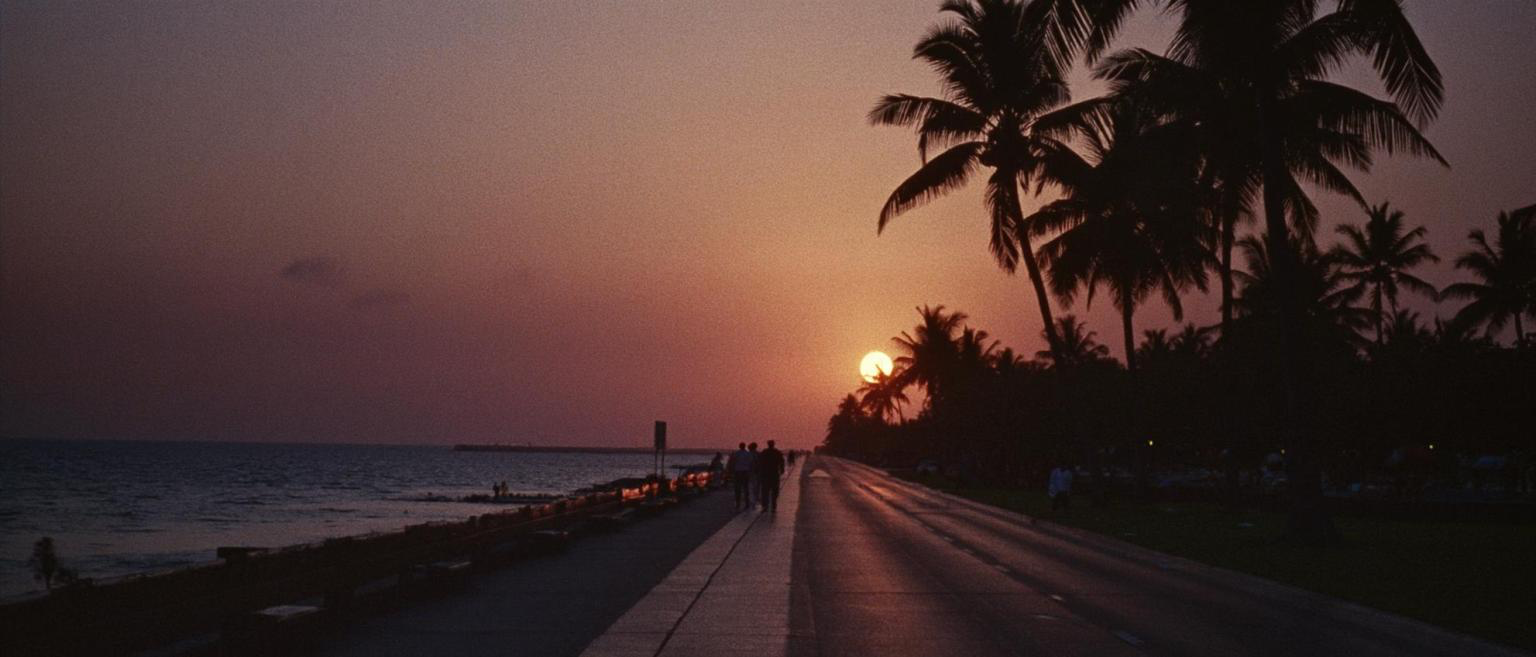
(116,508)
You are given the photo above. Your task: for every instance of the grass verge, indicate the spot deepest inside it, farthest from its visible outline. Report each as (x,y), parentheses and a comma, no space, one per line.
(1473,577)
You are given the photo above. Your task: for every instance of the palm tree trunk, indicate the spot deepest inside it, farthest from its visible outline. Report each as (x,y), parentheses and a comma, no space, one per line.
(1380,335)
(1126,308)
(1308,522)
(1051,336)
(1519,332)
(1224,365)
(1027,254)
(1229,215)
(1228,235)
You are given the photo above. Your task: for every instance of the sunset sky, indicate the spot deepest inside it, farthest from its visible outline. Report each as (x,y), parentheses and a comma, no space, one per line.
(547,222)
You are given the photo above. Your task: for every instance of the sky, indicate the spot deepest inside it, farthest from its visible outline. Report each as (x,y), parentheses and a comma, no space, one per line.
(537,222)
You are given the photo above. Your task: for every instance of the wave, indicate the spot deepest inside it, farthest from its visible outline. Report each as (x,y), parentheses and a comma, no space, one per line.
(249,501)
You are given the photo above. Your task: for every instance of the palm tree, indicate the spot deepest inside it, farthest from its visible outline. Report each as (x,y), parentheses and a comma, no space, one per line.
(1193,341)
(932,350)
(1379,256)
(1154,346)
(1506,271)
(1128,215)
(1329,316)
(1003,63)
(843,428)
(1078,345)
(1406,331)
(883,397)
(1251,78)
(1460,338)
(1254,76)
(974,353)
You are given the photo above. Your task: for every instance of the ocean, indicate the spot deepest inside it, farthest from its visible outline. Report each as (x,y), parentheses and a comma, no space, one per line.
(119,507)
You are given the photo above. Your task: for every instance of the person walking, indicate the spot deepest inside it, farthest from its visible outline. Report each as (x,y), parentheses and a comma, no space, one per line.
(770,468)
(756,487)
(740,467)
(1060,488)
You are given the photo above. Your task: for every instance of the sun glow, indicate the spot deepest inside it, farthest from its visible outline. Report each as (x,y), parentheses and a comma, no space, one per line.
(875,364)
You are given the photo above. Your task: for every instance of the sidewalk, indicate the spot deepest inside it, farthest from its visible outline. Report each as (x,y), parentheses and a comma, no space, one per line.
(545,606)
(730,596)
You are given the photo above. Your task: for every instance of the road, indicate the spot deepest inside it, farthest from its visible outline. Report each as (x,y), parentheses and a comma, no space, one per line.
(884,567)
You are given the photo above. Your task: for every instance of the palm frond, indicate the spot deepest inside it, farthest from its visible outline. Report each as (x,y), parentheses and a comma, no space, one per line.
(1320,47)
(947,48)
(946,172)
(1401,60)
(906,110)
(1380,123)
(1003,202)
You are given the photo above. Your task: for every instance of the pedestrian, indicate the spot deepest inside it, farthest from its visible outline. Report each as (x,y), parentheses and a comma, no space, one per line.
(1060,488)
(741,476)
(770,468)
(755,487)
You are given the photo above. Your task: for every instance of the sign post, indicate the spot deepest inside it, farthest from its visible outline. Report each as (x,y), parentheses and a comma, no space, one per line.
(660,459)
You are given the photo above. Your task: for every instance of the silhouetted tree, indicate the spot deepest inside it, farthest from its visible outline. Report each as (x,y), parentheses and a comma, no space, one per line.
(1154,346)
(1193,342)
(1378,256)
(1256,75)
(1000,419)
(1127,219)
(931,352)
(883,397)
(1319,290)
(846,430)
(1079,345)
(1406,333)
(1003,63)
(1506,276)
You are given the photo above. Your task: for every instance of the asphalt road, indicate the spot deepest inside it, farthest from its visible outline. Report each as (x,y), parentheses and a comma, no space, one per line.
(884,567)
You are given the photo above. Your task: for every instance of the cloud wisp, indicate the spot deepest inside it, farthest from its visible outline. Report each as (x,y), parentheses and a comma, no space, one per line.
(320,270)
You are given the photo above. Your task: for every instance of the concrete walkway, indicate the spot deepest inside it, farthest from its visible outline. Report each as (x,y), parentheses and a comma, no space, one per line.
(545,607)
(730,596)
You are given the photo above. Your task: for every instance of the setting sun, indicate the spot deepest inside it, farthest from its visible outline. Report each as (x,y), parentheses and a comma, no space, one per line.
(875,363)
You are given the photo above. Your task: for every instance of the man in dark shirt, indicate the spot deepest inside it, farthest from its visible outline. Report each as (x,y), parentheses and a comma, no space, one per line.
(770,466)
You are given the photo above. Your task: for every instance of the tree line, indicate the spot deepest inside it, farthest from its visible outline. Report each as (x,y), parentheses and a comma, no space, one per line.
(1151,189)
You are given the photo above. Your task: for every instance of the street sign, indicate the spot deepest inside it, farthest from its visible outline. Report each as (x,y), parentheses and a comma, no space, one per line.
(661,435)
